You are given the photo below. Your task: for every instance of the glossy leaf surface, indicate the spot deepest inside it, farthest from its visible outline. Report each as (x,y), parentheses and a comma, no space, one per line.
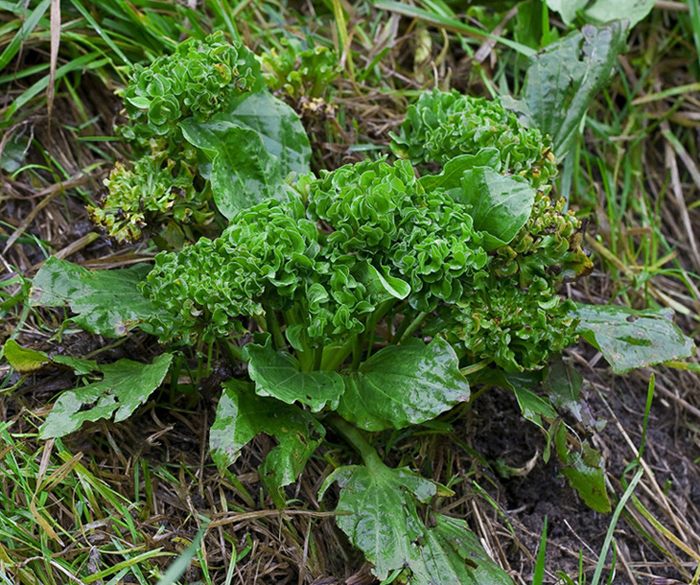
(278,126)
(450,554)
(450,177)
(377,510)
(125,386)
(632,339)
(563,386)
(241,416)
(583,469)
(243,171)
(276,374)
(108,302)
(500,205)
(404,385)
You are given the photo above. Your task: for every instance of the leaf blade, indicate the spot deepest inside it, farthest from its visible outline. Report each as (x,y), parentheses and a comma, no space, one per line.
(107,302)
(126,385)
(403,385)
(632,339)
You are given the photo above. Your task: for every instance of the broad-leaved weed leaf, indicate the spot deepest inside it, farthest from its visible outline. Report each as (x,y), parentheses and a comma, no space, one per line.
(107,302)
(404,385)
(279,128)
(26,360)
(452,172)
(563,386)
(602,11)
(564,77)
(125,386)
(450,554)
(632,339)
(377,511)
(241,415)
(277,374)
(583,469)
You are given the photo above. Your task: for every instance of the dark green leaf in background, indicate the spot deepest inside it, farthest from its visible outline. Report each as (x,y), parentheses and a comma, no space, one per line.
(563,386)
(632,339)
(241,416)
(564,77)
(404,385)
(125,386)
(107,302)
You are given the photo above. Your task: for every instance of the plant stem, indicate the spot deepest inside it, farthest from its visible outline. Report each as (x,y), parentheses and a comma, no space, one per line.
(415,324)
(353,435)
(334,359)
(273,326)
(233,351)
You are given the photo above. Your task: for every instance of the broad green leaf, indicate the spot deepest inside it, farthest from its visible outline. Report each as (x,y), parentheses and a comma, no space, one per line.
(533,407)
(451,175)
(125,386)
(602,11)
(563,79)
(377,511)
(278,126)
(241,415)
(26,360)
(107,302)
(243,170)
(500,205)
(583,469)
(450,554)
(23,359)
(404,385)
(277,374)
(567,8)
(632,339)
(563,386)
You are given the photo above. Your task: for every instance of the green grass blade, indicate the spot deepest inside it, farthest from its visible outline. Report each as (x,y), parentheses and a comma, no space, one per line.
(694,9)
(100,31)
(22,34)
(85,62)
(538,577)
(613,523)
(449,23)
(180,565)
